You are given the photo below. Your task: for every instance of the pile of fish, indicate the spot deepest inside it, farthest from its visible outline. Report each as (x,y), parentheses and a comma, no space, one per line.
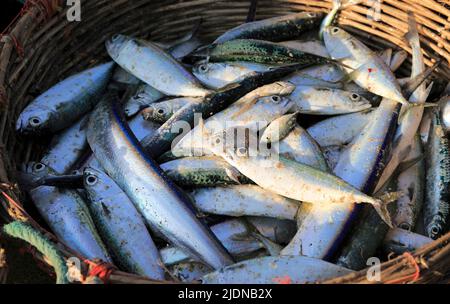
(268,155)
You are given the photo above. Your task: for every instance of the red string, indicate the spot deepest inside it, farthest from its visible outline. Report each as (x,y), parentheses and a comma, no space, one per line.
(102,270)
(47,8)
(409,278)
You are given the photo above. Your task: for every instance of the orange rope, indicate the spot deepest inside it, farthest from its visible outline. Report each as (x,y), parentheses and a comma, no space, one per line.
(102,270)
(409,278)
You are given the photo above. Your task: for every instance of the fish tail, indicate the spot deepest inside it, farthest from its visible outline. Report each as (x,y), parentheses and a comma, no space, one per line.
(382,210)
(380,204)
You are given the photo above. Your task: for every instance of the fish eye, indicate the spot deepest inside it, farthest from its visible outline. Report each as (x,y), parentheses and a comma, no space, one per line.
(35,121)
(275,98)
(335,30)
(203,68)
(91,180)
(310,14)
(355,97)
(38,167)
(405,226)
(160,111)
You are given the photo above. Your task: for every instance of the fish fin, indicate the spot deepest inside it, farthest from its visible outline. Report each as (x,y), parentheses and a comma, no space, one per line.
(349,77)
(380,206)
(233,174)
(410,106)
(409,87)
(413,33)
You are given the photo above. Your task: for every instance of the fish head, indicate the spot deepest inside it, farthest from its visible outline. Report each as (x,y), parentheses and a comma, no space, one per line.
(159,112)
(92,178)
(334,38)
(352,99)
(234,143)
(37,169)
(278,104)
(33,122)
(115,45)
(211,74)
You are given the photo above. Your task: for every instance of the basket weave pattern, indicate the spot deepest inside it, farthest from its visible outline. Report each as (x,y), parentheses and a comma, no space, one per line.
(42,47)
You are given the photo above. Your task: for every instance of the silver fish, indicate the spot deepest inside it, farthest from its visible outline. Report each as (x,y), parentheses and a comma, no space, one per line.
(216,75)
(276,270)
(121,226)
(299,146)
(410,183)
(68,216)
(122,76)
(66,148)
(437,193)
(339,130)
(233,234)
(122,158)
(243,200)
(279,128)
(369,71)
(327,101)
(64,103)
(162,111)
(153,66)
(144,96)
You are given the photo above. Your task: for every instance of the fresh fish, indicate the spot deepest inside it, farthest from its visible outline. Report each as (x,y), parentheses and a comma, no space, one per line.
(203,171)
(233,234)
(290,179)
(162,141)
(254,111)
(153,66)
(279,128)
(276,270)
(123,159)
(163,110)
(366,68)
(325,72)
(64,103)
(67,215)
(145,95)
(259,51)
(327,101)
(312,46)
(244,200)
(399,241)
(216,75)
(437,193)
(121,226)
(410,183)
(122,76)
(410,121)
(301,147)
(66,148)
(357,250)
(340,130)
(274,29)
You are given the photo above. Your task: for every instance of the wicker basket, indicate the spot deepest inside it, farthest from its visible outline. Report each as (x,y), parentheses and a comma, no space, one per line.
(42,47)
